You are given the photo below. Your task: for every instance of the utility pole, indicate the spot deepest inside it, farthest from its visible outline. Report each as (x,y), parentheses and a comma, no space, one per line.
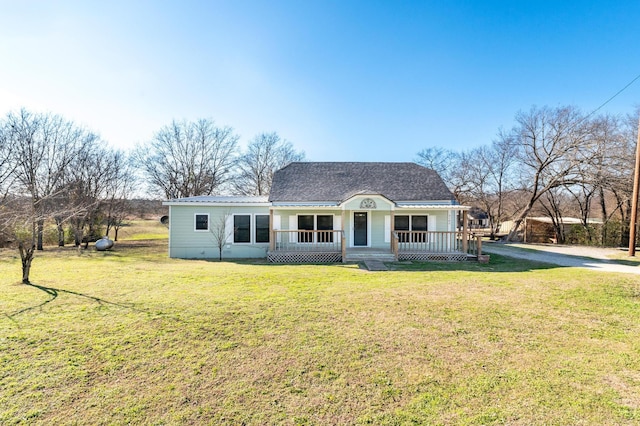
(634,201)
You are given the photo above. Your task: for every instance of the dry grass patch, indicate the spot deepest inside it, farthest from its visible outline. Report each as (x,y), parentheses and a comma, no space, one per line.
(131,336)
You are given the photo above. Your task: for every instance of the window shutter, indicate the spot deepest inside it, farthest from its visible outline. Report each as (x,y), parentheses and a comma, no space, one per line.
(293,225)
(387,228)
(431,223)
(277,225)
(229,228)
(337,222)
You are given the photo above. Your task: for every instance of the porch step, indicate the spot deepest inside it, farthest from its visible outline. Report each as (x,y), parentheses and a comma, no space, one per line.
(361,257)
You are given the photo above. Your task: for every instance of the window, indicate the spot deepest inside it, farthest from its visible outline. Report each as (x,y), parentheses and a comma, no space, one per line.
(411,223)
(419,223)
(325,223)
(262,228)
(305,222)
(202,222)
(242,228)
(401,223)
(309,222)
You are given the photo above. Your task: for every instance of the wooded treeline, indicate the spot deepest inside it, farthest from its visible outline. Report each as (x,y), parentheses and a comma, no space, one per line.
(554,162)
(57,175)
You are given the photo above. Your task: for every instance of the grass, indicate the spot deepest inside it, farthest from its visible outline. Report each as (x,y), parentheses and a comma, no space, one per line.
(132,337)
(135,230)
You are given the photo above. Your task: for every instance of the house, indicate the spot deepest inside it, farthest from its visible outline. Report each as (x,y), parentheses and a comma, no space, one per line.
(328,212)
(478,218)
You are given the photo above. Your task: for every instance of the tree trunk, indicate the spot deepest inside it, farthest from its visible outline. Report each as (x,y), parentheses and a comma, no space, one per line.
(40,234)
(605,219)
(516,224)
(26,255)
(60,234)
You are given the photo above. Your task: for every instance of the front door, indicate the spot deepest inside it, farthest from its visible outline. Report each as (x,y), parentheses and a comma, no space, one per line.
(360,228)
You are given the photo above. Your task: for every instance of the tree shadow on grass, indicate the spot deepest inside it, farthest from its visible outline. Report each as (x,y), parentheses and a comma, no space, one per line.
(54,292)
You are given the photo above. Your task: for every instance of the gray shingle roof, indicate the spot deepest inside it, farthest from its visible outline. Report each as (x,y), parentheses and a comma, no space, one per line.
(327,181)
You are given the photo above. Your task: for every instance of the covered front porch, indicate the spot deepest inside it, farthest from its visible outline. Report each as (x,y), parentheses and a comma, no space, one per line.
(367,226)
(304,246)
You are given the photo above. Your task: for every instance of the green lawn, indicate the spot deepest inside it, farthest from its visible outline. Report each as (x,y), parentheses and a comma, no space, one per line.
(132,337)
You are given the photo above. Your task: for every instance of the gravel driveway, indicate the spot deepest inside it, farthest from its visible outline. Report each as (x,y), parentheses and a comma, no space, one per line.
(594,258)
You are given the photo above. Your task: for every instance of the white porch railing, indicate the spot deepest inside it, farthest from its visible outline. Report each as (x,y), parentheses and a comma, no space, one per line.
(303,240)
(301,245)
(291,246)
(440,242)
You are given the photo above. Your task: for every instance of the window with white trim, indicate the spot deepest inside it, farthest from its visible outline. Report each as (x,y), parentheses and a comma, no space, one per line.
(249,228)
(242,228)
(324,222)
(262,228)
(411,223)
(201,222)
(311,222)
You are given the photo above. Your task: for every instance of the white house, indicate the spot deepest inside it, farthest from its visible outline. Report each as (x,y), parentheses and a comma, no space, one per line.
(328,212)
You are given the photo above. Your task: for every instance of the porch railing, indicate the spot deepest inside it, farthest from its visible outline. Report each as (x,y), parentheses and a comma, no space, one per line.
(440,242)
(303,240)
(403,243)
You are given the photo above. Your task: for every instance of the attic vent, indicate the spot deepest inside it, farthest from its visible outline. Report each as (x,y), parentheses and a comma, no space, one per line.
(368,203)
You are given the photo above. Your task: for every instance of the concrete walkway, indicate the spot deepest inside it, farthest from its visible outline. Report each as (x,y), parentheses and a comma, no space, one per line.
(375,265)
(594,258)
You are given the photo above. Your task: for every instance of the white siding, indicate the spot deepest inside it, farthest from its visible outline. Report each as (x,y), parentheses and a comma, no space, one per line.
(387,228)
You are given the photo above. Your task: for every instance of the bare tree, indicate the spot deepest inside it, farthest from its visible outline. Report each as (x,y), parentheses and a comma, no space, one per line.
(265,154)
(489,180)
(220,232)
(447,163)
(44,146)
(549,145)
(7,163)
(86,190)
(554,202)
(118,192)
(186,159)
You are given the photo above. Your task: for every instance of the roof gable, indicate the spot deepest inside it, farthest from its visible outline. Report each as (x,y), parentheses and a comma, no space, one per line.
(339,181)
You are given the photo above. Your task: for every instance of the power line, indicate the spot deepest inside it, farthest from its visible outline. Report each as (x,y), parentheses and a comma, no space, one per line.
(612,97)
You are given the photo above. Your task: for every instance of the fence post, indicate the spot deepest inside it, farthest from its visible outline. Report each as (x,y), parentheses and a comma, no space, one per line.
(479,244)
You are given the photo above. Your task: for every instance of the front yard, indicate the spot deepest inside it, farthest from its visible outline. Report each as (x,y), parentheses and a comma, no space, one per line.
(131,336)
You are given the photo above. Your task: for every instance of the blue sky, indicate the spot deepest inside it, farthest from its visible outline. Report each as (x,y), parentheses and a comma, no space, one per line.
(341,80)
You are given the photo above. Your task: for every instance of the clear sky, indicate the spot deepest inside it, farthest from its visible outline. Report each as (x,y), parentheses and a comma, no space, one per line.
(342,80)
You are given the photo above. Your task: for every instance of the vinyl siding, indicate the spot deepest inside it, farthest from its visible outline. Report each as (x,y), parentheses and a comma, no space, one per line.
(186,243)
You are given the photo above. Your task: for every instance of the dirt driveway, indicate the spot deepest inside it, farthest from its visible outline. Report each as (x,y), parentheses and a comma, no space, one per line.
(574,256)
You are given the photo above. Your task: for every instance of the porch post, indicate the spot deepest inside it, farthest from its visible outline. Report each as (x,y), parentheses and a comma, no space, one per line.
(393,229)
(344,231)
(272,234)
(465,242)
